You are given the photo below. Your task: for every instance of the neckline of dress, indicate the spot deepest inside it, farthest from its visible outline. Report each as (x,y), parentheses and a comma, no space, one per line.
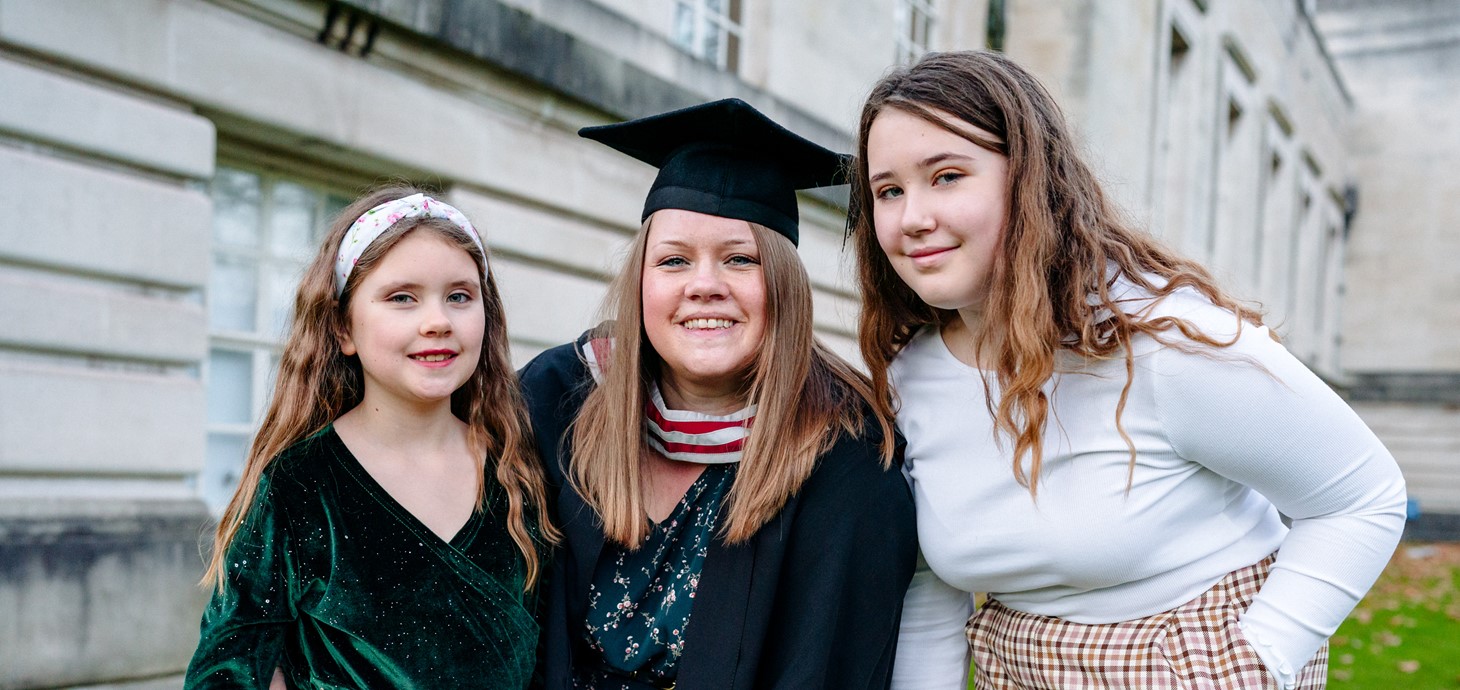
(459,540)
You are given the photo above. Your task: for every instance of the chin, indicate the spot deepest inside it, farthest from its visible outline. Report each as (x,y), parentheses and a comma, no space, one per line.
(940,301)
(950,300)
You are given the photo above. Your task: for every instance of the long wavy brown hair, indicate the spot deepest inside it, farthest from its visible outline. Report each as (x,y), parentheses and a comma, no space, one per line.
(316,384)
(806,397)
(1065,245)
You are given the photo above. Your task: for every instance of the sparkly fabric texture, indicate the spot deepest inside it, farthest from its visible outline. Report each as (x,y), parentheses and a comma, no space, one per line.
(639,602)
(333,581)
(1195,646)
(377,220)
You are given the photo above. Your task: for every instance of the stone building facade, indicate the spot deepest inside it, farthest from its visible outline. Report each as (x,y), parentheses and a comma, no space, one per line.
(1401,312)
(168,165)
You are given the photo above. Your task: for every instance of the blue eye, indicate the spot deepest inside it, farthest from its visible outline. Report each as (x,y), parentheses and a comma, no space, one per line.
(742,260)
(948,177)
(673,262)
(400,298)
(888,193)
(458,297)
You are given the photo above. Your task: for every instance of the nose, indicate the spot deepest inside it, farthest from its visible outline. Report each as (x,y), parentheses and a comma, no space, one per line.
(706,282)
(435,322)
(917,217)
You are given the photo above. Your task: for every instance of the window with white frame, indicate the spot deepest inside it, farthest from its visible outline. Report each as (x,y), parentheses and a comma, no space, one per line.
(709,30)
(915,20)
(265,229)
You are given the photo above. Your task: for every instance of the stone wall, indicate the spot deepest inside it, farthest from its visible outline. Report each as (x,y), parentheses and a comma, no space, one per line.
(116,117)
(1221,127)
(113,119)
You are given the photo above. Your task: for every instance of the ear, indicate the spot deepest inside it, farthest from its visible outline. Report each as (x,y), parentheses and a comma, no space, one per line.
(344,341)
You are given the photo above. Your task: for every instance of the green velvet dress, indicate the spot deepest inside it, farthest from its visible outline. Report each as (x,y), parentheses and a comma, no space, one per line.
(333,581)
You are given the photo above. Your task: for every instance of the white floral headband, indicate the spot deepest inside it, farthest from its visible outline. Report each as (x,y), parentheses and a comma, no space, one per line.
(377,220)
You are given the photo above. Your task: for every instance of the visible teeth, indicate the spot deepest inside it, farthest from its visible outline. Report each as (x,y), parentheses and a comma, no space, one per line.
(433,358)
(708,324)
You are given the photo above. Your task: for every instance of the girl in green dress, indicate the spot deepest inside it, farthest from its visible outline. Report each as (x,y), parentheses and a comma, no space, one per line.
(387,531)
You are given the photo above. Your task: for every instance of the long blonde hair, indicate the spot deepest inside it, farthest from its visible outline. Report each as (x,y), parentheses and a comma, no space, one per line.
(1051,288)
(805,395)
(316,384)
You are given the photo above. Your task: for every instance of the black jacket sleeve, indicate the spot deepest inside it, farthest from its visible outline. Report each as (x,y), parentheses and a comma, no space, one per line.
(554,385)
(850,554)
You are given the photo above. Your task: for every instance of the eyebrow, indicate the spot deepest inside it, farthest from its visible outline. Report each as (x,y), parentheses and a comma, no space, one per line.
(928,162)
(408,285)
(681,244)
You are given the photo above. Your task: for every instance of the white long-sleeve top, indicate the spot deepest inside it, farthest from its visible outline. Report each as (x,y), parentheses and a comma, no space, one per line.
(1224,441)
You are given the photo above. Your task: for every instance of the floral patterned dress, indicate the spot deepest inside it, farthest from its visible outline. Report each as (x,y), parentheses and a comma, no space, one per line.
(639,602)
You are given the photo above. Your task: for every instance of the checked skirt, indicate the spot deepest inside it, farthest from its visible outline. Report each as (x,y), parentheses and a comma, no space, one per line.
(1195,646)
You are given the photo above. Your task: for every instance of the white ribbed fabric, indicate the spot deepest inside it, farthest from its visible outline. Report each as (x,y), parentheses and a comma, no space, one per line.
(1222,446)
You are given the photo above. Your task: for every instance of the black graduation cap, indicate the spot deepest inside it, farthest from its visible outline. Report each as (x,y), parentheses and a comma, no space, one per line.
(725,159)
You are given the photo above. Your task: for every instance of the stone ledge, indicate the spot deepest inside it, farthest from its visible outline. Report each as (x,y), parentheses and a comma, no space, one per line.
(74,212)
(67,421)
(57,109)
(79,582)
(168,682)
(50,313)
(1433,527)
(1441,387)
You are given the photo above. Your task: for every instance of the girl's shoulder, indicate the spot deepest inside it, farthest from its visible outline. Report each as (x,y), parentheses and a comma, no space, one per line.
(855,460)
(304,463)
(924,351)
(1186,304)
(559,372)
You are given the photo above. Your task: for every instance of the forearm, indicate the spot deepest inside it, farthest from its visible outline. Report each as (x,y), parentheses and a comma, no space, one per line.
(1323,569)
(932,652)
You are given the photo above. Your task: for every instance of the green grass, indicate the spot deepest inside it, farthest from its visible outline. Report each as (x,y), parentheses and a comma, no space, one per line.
(1406,632)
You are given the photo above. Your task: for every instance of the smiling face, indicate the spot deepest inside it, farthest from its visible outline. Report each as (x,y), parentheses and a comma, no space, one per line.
(416,322)
(940,206)
(704,303)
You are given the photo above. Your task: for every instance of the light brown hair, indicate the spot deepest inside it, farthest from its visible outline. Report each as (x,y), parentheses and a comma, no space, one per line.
(1064,246)
(806,396)
(316,384)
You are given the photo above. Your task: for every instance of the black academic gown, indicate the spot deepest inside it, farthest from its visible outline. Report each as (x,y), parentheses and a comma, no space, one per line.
(813,600)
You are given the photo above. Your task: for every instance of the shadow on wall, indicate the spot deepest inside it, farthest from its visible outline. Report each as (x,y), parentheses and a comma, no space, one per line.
(99,592)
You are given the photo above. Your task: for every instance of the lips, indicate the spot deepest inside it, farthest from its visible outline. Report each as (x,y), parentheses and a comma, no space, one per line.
(433,356)
(929,258)
(922,252)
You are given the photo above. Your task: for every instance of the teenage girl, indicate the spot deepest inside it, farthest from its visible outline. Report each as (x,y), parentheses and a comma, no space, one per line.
(387,531)
(1098,436)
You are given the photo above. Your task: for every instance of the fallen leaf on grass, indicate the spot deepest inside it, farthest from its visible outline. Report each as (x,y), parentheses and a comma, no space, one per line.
(1388,639)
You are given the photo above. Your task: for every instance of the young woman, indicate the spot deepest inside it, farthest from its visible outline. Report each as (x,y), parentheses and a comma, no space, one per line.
(1098,436)
(732,516)
(386,531)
